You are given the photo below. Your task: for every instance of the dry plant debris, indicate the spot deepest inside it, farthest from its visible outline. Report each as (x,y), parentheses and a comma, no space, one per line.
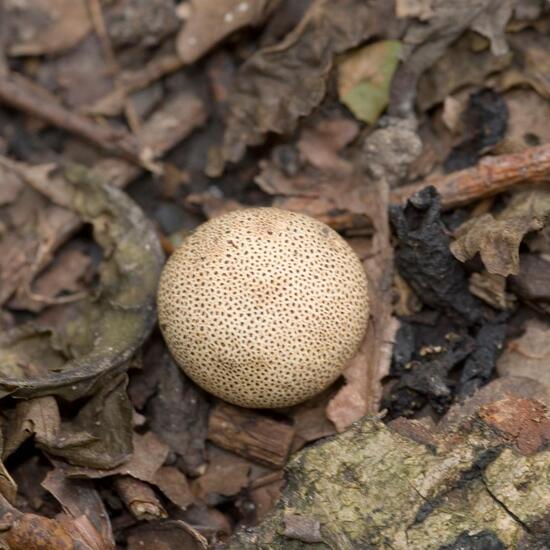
(415,129)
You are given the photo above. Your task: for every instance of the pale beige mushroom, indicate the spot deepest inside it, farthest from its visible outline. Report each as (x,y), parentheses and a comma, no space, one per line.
(263,307)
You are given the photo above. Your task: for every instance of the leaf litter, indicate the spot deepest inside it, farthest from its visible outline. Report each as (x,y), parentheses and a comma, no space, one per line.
(330,109)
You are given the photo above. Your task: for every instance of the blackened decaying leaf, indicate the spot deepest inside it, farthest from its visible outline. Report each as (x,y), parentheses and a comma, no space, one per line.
(423,258)
(178,414)
(455,362)
(116,321)
(485,124)
(479,366)
(428,381)
(281,83)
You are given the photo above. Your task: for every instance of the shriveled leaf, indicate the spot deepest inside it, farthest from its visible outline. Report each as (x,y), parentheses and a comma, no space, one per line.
(149,454)
(426,40)
(99,436)
(114,323)
(83,506)
(32,227)
(364,78)
(281,83)
(61,282)
(497,237)
(212,20)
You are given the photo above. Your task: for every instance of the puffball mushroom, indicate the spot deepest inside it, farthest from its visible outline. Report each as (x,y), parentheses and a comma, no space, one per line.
(263,307)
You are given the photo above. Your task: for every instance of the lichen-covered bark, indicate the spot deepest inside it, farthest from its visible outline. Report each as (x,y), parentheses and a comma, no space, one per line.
(372,487)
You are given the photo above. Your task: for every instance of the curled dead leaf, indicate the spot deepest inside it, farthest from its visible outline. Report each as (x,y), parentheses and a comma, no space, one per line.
(497,237)
(112,324)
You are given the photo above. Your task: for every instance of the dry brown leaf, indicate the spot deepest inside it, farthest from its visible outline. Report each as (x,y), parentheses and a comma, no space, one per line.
(34,532)
(210,21)
(46,26)
(167,126)
(148,456)
(497,237)
(33,226)
(226,475)
(532,49)
(281,83)
(83,507)
(63,276)
(166,534)
(425,41)
(174,485)
(461,65)
(491,289)
(528,355)
(528,114)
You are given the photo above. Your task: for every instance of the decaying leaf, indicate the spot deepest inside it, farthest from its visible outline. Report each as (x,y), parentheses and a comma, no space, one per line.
(226,475)
(497,237)
(364,78)
(528,355)
(115,321)
(423,257)
(32,227)
(83,506)
(46,26)
(426,40)
(100,434)
(212,20)
(149,454)
(281,83)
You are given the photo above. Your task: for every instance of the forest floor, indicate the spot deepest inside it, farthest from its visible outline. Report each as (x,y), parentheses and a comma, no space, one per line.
(419,130)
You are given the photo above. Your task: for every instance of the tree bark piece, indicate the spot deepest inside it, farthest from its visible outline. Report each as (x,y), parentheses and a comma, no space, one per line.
(374,487)
(250,435)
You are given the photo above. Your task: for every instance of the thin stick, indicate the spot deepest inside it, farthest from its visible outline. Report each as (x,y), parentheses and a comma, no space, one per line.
(17,92)
(96,13)
(491,176)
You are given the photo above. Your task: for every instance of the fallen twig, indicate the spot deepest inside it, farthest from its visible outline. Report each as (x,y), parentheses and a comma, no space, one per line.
(492,175)
(96,13)
(18,92)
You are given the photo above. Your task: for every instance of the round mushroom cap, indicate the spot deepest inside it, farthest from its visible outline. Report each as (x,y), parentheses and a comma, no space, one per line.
(263,307)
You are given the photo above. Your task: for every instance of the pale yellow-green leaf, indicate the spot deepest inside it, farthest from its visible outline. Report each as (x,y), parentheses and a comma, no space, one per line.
(364,78)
